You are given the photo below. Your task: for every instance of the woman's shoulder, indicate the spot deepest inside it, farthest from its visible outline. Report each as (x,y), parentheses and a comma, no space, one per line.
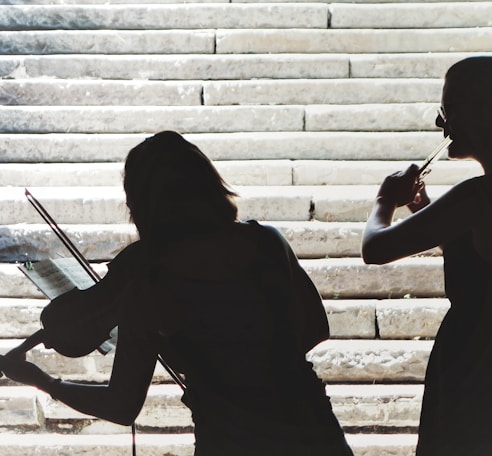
(263,232)
(130,254)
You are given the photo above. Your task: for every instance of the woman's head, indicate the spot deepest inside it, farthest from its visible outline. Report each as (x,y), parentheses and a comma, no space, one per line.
(173,188)
(467,105)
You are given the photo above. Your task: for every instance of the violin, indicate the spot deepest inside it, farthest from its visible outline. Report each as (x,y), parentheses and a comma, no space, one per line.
(74,326)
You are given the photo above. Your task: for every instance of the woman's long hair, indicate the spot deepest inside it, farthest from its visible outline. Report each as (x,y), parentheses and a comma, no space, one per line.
(173,189)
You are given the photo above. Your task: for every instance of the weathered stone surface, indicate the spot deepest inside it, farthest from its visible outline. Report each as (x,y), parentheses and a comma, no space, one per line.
(96,445)
(372,117)
(381,444)
(407,65)
(335,360)
(383,406)
(99,205)
(101,242)
(371,361)
(295,145)
(171,16)
(19,318)
(410,318)
(332,91)
(40,92)
(19,409)
(256,172)
(353,203)
(415,15)
(336,278)
(95,242)
(351,318)
(132,119)
(346,278)
(178,67)
(358,41)
(241,172)
(107,42)
(315,239)
(360,172)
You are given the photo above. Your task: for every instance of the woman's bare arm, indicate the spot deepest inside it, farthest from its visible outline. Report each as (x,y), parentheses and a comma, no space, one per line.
(446,218)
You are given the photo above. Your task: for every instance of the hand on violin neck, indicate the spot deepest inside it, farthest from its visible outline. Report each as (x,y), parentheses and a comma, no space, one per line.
(22,371)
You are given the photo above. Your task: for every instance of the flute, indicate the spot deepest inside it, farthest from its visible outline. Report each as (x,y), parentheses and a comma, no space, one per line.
(433,157)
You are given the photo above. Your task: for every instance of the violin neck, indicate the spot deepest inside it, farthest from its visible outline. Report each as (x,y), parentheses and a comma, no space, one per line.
(28,344)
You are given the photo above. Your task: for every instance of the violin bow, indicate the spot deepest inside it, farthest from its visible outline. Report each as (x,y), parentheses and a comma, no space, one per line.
(88,268)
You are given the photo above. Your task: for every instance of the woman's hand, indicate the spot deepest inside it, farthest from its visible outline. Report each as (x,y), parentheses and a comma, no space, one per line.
(22,371)
(401,188)
(420,201)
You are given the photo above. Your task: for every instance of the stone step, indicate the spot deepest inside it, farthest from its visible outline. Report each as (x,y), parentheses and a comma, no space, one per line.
(167,16)
(171,444)
(296,145)
(238,15)
(100,205)
(353,40)
(219,119)
(358,407)
(76,92)
(335,278)
(252,41)
(348,318)
(101,242)
(410,15)
(335,361)
(125,2)
(230,66)
(239,172)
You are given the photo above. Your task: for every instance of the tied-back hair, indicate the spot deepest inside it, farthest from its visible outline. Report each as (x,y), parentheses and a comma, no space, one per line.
(173,189)
(473,76)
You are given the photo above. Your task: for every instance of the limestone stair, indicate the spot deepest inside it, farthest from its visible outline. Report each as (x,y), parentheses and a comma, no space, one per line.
(303,106)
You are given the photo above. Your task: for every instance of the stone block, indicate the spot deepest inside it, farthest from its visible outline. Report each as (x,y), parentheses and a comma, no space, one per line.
(107,42)
(348,278)
(274,203)
(411,65)
(383,444)
(170,16)
(19,318)
(412,15)
(372,117)
(410,318)
(96,242)
(61,174)
(96,445)
(354,41)
(40,92)
(178,67)
(351,319)
(381,406)
(295,145)
(371,360)
(19,409)
(256,172)
(320,91)
(130,119)
(315,239)
(363,172)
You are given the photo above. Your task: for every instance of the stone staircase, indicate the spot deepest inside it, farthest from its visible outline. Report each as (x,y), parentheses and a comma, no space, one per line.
(304,107)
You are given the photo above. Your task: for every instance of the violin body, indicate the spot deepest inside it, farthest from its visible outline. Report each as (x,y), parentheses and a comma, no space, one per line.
(74,326)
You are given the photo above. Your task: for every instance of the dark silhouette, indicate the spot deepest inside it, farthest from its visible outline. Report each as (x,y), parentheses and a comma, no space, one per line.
(224,302)
(456,417)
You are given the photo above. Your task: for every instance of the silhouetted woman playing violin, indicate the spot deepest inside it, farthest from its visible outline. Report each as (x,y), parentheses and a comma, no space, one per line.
(226,303)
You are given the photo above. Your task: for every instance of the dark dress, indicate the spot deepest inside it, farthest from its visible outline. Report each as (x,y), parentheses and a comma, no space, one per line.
(456,417)
(240,340)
